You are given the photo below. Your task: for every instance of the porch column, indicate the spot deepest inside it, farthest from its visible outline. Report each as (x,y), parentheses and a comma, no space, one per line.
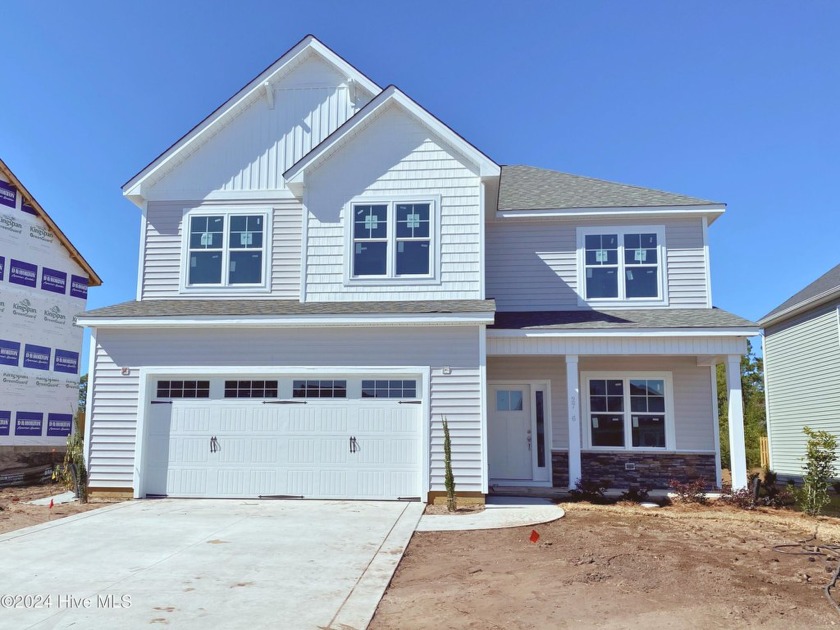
(573,389)
(737,450)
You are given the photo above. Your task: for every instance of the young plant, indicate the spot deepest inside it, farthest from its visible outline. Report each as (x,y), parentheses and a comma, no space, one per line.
(820,458)
(693,491)
(72,472)
(449,478)
(590,490)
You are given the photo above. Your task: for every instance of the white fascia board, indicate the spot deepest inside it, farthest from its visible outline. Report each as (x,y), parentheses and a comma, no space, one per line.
(133,187)
(712,211)
(294,176)
(630,333)
(290,321)
(797,309)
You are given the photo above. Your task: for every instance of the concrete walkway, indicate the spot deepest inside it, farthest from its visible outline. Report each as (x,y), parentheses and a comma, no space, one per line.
(499,512)
(206,563)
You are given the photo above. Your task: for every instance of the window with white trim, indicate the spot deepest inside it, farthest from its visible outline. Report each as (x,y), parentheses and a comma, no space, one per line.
(621,265)
(392,240)
(226,249)
(631,411)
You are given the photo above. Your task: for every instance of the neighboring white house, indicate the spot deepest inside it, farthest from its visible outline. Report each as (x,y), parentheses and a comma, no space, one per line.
(327,271)
(43,285)
(802,370)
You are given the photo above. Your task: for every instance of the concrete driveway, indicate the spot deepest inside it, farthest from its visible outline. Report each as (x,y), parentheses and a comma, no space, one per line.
(205,564)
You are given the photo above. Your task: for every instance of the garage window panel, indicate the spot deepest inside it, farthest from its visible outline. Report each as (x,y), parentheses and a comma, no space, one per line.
(320,388)
(389,388)
(183,389)
(251,389)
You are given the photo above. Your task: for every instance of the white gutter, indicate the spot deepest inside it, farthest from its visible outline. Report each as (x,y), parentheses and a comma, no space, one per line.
(626,332)
(707,210)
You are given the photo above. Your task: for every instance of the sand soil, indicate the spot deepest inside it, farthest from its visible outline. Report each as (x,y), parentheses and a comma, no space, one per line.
(617,567)
(16,513)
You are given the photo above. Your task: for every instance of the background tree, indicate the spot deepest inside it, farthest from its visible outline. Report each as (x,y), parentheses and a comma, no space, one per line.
(755,420)
(83,385)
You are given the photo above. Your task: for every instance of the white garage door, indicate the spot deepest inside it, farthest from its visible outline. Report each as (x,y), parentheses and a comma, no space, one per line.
(313,449)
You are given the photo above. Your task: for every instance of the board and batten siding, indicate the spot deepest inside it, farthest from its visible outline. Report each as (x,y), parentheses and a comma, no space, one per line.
(259,142)
(532,264)
(394,157)
(114,406)
(802,376)
(162,252)
(694,415)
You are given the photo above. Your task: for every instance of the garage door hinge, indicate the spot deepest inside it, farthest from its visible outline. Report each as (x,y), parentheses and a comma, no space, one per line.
(284,402)
(161,402)
(410,402)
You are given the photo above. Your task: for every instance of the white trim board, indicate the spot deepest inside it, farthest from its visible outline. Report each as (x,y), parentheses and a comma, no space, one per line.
(626,332)
(713,210)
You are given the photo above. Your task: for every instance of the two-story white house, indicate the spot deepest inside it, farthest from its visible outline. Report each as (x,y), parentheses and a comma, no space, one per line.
(327,271)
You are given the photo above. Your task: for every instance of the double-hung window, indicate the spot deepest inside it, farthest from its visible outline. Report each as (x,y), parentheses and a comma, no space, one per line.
(629,411)
(621,266)
(226,250)
(392,239)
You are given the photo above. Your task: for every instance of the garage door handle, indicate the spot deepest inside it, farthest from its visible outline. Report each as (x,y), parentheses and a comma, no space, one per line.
(214,445)
(284,402)
(354,446)
(410,402)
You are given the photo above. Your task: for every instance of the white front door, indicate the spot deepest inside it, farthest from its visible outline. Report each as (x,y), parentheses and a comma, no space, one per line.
(518,433)
(510,435)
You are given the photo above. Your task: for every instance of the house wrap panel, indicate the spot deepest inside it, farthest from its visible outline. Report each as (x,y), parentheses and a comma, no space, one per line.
(114,411)
(532,264)
(802,373)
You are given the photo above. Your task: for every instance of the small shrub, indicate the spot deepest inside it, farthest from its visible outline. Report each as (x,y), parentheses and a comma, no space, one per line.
(592,491)
(448,478)
(72,473)
(770,478)
(768,495)
(635,494)
(693,491)
(820,457)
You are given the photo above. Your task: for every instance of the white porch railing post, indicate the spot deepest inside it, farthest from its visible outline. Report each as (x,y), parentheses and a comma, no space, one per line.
(573,389)
(737,449)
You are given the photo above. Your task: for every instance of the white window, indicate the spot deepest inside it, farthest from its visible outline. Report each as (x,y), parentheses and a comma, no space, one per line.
(621,266)
(225,249)
(392,240)
(629,411)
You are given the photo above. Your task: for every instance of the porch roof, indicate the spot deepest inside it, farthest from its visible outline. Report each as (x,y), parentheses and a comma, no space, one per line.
(647,319)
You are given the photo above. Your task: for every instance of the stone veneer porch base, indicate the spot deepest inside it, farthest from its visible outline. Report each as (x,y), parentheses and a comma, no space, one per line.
(653,470)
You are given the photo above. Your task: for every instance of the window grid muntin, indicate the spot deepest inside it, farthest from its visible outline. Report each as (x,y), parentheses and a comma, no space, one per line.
(631,435)
(228,254)
(590,266)
(319,388)
(389,388)
(183,388)
(393,239)
(251,389)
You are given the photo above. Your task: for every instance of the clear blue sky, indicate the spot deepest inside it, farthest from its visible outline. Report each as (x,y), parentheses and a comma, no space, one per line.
(730,101)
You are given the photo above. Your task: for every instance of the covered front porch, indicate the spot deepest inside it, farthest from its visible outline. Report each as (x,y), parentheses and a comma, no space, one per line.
(626,409)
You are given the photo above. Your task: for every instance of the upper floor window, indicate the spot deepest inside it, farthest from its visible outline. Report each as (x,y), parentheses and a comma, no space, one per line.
(621,265)
(226,249)
(392,240)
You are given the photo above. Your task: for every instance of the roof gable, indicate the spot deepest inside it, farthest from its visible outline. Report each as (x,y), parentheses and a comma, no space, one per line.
(530,188)
(390,96)
(259,87)
(93,278)
(824,287)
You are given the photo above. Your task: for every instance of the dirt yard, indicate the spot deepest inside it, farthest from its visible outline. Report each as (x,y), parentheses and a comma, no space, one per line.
(617,567)
(15,512)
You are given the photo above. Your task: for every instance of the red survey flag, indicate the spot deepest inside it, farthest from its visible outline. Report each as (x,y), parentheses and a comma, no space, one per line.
(534,536)
(51,506)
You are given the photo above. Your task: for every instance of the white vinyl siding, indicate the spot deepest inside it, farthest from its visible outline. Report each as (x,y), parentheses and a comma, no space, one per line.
(259,143)
(162,262)
(532,264)
(393,157)
(802,372)
(113,415)
(693,412)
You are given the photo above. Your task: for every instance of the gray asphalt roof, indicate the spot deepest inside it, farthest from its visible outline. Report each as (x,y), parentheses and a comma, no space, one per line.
(530,188)
(649,318)
(245,308)
(826,283)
